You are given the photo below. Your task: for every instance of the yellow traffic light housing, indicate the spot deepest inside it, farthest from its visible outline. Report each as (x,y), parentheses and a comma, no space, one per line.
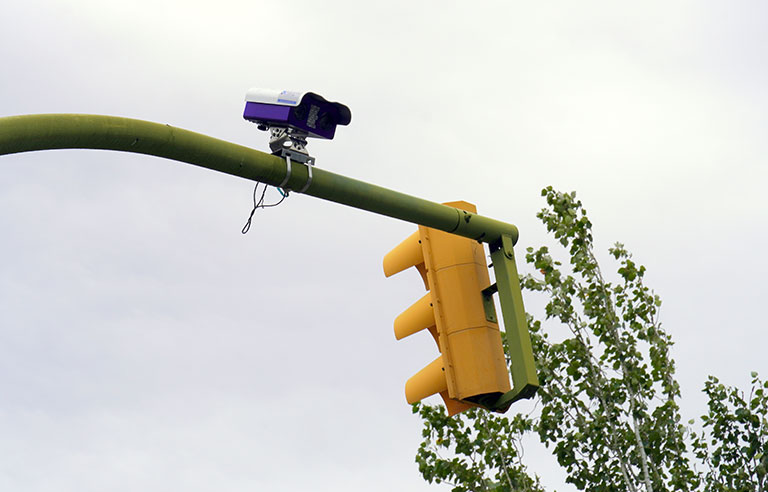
(471,370)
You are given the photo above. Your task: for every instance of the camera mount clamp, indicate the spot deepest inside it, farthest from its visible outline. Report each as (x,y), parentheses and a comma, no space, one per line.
(288,142)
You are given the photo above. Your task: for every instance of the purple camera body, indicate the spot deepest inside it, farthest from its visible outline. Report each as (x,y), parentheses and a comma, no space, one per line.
(306,112)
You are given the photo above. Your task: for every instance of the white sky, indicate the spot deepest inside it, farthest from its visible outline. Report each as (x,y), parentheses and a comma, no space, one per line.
(145,344)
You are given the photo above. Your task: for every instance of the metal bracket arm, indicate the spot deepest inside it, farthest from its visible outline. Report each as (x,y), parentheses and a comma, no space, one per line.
(524,377)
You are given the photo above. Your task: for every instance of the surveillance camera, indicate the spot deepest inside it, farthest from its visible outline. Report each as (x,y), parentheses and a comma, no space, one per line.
(292,117)
(304,112)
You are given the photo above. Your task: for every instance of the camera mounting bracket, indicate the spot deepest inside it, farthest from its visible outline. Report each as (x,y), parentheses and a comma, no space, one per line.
(288,142)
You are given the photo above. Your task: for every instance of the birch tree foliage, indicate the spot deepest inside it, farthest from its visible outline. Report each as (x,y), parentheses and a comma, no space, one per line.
(608,403)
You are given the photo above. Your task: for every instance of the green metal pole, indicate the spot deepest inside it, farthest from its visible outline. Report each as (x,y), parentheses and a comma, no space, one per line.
(73,131)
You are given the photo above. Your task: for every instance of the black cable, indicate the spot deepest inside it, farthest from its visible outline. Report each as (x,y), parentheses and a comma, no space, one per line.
(274,204)
(259,204)
(247,226)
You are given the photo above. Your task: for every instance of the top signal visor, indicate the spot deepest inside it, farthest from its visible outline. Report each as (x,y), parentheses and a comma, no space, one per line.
(302,111)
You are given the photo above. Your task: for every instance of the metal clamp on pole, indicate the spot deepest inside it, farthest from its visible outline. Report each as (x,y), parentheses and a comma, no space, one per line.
(309,178)
(284,183)
(287,173)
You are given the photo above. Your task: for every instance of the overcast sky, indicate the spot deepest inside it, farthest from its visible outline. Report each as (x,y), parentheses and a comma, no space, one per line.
(145,344)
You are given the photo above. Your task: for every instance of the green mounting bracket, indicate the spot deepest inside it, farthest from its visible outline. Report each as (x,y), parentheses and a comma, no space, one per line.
(524,378)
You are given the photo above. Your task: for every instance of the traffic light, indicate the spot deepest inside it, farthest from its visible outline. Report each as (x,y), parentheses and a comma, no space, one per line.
(471,369)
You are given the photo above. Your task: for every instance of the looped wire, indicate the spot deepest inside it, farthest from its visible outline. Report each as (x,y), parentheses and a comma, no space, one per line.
(260,204)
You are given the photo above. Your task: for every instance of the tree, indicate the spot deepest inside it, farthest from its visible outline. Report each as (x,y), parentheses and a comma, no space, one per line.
(734,448)
(608,396)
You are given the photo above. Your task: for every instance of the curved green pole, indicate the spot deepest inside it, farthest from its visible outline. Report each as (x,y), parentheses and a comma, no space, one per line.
(74,131)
